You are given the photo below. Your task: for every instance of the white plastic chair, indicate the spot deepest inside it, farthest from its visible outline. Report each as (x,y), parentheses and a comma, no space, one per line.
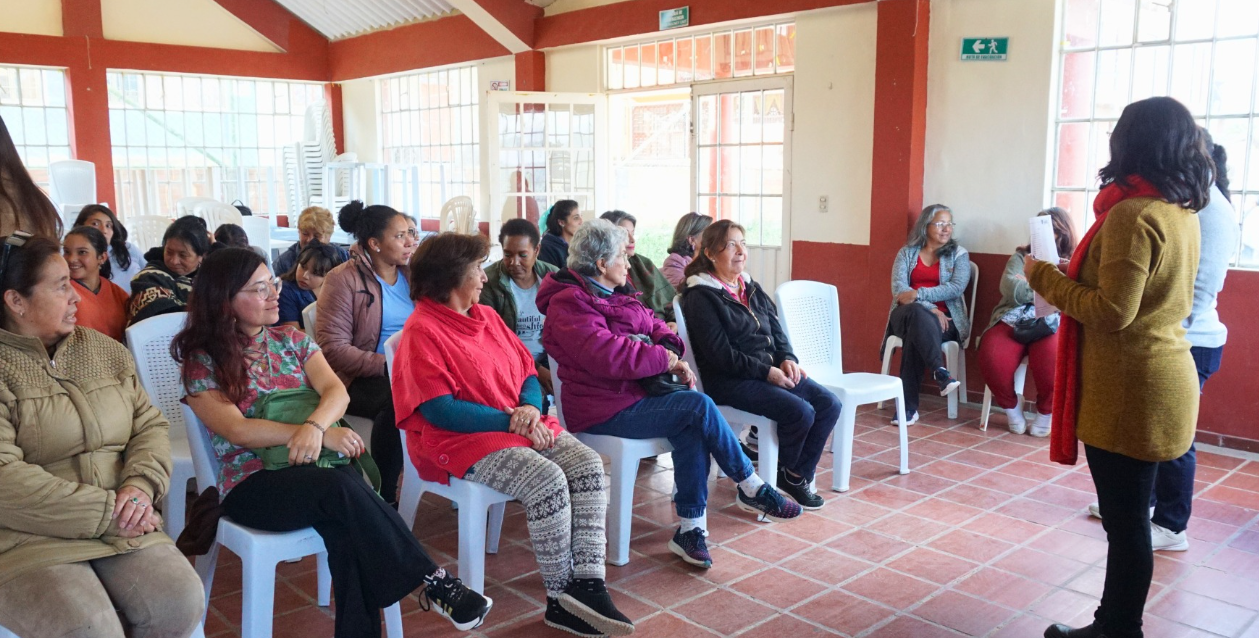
(217,213)
(145,231)
(72,186)
(361,425)
(809,314)
(480,508)
(184,205)
(149,343)
(260,552)
(954,352)
(624,455)
(258,229)
(458,216)
(308,318)
(767,429)
(1020,380)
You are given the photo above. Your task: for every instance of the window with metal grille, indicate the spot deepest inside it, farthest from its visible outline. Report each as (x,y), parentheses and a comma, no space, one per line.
(177,136)
(724,54)
(432,120)
(1201,52)
(33,107)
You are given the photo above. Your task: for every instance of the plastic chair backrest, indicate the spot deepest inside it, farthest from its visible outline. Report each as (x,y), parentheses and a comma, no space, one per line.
(258,229)
(556,389)
(809,314)
(458,215)
(205,466)
(970,309)
(216,214)
(149,342)
(308,319)
(184,205)
(688,355)
(145,231)
(391,349)
(73,182)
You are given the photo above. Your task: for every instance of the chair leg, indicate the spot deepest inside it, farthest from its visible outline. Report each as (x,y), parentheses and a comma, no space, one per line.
(767,465)
(472,520)
(983,410)
(205,569)
(174,504)
(904,432)
(323,580)
(495,529)
(409,499)
(950,362)
(887,365)
(841,447)
(393,621)
(620,508)
(257,597)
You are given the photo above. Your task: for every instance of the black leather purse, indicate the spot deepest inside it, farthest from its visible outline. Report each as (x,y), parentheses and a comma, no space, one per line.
(1030,329)
(663,383)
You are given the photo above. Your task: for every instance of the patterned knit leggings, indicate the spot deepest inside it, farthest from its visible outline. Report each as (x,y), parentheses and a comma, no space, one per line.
(565,501)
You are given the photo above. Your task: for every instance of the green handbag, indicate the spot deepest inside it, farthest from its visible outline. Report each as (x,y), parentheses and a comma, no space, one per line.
(294,406)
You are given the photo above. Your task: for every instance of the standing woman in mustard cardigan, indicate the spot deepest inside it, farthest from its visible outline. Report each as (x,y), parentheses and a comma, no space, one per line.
(1126,384)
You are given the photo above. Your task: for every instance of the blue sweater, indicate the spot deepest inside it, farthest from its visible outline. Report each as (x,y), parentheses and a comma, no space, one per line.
(1218,222)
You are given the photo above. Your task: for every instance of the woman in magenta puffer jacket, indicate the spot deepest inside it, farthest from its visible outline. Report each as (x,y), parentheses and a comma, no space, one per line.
(606,343)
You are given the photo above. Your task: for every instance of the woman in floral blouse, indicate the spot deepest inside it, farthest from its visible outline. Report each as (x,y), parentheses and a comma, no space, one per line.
(231,358)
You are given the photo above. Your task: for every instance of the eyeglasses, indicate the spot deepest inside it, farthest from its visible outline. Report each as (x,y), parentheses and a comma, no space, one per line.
(11,243)
(943,225)
(265,290)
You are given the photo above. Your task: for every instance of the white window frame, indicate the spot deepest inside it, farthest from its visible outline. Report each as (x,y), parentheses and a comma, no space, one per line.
(606,54)
(34,110)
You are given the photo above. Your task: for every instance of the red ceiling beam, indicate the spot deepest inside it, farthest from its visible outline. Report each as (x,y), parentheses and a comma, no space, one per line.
(271,20)
(510,22)
(415,46)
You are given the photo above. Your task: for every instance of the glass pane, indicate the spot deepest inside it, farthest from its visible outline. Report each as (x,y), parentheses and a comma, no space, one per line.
(771,221)
(707,119)
(558,124)
(1150,72)
(58,135)
(1073,149)
(728,170)
(728,208)
(1249,255)
(743,53)
(1073,203)
(1118,20)
(1238,17)
(708,206)
(1100,154)
(9,86)
(707,173)
(647,62)
(772,116)
(1191,76)
(750,117)
(1252,167)
(749,214)
(685,61)
(54,88)
(772,170)
(728,118)
(584,125)
(32,87)
(665,61)
(33,122)
(750,170)
(786,41)
(630,55)
(703,58)
(153,91)
(1077,84)
(1234,77)
(559,171)
(1230,132)
(1114,72)
(1195,19)
(764,51)
(722,56)
(1155,21)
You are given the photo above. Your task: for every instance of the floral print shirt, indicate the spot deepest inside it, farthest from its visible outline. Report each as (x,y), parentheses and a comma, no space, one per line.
(277,359)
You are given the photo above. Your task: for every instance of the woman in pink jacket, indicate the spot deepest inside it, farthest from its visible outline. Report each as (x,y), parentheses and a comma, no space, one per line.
(682,250)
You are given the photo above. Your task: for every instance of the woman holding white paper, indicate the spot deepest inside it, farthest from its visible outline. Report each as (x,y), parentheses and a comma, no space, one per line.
(1014,331)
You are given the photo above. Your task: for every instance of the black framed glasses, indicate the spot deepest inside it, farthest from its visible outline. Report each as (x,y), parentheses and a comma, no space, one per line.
(17,240)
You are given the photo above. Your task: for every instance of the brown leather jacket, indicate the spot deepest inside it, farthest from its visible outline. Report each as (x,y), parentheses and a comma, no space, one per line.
(347,319)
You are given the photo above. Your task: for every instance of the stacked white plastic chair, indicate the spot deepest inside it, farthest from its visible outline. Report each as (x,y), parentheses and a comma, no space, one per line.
(624,455)
(72,186)
(480,508)
(459,216)
(954,352)
(149,343)
(809,314)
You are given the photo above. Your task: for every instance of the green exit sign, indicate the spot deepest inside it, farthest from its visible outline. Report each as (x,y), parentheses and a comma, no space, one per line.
(985,48)
(675,18)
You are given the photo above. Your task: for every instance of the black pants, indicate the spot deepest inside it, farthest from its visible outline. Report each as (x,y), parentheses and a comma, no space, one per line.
(806,414)
(920,331)
(1124,485)
(373,556)
(372,398)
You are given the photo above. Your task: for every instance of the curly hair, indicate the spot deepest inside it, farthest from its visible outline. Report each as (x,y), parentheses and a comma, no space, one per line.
(1157,139)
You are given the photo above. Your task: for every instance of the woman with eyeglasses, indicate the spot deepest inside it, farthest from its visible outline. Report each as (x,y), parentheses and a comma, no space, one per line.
(103,304)
(233,360)
(125,260)
(364,302)
(929,279)
(165,282)
(83,458)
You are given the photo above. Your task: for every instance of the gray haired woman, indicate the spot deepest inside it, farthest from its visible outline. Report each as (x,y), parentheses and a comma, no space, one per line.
(929,278)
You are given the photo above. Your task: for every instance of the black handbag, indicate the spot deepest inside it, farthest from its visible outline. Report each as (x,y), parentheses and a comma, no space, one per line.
(1030,329)
(663,383)
(245,211)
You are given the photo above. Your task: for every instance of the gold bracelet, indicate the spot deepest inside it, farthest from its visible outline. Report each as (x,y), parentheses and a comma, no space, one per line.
(322,429)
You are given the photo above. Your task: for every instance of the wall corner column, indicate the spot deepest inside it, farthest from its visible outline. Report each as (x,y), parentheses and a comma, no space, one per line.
(332,94)
(89,96)
(531,71)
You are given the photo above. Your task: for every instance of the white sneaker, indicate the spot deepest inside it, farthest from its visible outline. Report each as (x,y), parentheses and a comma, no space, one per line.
(1095,511)
(913,418)
(1017,422)
(1040,427)
(1166,540)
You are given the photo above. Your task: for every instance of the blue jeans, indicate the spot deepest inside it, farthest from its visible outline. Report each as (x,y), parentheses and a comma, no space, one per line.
(696,429)
(1172,498)
(805,414)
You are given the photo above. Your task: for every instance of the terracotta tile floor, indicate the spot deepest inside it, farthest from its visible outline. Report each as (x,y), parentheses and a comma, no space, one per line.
(984,538)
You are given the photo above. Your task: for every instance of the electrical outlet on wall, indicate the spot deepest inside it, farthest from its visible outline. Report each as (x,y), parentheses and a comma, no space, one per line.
(823,204)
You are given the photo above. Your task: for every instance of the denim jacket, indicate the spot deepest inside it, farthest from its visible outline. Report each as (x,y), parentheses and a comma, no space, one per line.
(954,276)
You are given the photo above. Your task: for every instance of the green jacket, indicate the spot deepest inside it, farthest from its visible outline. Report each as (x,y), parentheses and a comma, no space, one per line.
(657,291)
(497,290)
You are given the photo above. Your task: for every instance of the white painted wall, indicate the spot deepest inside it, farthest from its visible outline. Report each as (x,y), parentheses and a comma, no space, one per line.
(833,142)
(37,17)
(200,23)
(573,69)
(989,123)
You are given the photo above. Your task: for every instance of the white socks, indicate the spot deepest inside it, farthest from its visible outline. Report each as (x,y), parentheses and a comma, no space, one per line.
(700,522)
(1014,417)
(1040,427)
(751,485)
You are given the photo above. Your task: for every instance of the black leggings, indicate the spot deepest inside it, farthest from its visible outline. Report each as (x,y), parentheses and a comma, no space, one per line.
(372,398)
(920,331)
(373,556)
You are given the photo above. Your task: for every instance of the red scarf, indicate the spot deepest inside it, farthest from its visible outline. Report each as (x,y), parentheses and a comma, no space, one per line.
(1063,446)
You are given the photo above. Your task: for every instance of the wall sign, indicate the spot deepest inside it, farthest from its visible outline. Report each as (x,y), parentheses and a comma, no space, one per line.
(985,48)
(500,85)
(675,18)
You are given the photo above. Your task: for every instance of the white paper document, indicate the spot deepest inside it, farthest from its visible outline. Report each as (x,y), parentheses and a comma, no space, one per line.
(1044,248)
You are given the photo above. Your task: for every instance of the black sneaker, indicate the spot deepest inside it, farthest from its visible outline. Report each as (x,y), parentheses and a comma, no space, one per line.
(561,619)
(588,599)
(451,599)
(946,381)
(753,455)
(691,547)
(769,504)
(801,492)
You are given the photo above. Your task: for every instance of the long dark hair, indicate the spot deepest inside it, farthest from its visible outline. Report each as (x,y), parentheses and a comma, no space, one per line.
(211,325)
(25,265)
(33,212)
(117,243)
(231,235)
(441,262)
(690,225)
(192,231)
(1064,232)
(558,214)
(1157,139)
(714,239)
(316,257)
(365,222)
(96,239)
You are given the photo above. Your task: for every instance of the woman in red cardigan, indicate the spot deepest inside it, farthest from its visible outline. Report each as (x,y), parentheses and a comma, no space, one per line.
(466,385)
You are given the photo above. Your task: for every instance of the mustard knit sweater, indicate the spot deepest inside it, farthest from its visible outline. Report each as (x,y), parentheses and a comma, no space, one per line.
(1139,387)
